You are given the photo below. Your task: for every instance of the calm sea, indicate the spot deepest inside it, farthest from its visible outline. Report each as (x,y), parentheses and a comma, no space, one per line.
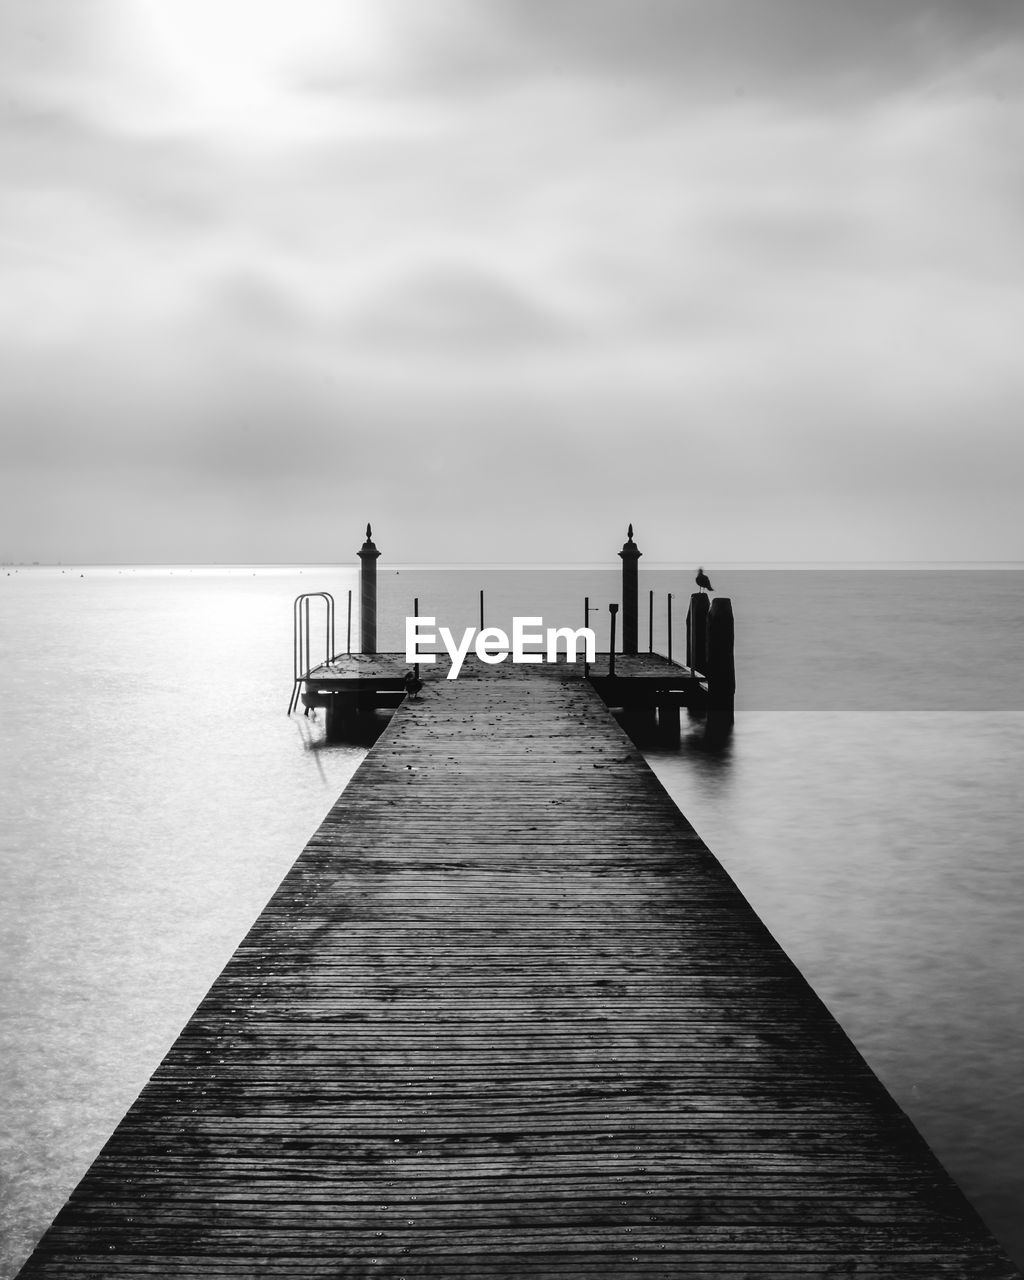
(155,793)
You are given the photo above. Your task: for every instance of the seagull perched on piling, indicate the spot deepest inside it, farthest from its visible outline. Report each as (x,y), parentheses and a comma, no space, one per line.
(413,684)
(703,581)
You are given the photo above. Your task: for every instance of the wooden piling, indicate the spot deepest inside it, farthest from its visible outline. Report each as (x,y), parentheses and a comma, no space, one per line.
(721,662)
(697,632)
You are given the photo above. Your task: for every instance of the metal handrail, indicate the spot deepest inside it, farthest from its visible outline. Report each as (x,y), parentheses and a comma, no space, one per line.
(300,639)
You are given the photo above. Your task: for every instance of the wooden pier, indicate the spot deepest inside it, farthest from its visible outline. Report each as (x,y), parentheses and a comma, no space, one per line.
(508,1016)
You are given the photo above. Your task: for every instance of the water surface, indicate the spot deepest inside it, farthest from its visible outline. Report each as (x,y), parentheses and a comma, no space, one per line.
(156,793)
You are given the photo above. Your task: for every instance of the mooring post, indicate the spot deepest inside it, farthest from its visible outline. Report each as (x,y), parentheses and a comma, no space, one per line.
(721,658)
(368,554)
(613,609)
(630,555)
(697,632)
(721,674)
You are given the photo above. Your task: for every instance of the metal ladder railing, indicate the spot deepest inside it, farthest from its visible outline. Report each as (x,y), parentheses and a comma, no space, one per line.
(300,640)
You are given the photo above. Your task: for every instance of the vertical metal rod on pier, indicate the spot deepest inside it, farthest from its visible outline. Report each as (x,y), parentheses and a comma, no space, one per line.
(481,608)
(613,609)
(670,626)
(650,623)
(306,612)
(348,637)
(416,614)
(586,623)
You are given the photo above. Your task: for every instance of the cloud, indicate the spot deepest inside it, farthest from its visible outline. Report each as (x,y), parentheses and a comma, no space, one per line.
(737,267)
(454,307)
(823,50)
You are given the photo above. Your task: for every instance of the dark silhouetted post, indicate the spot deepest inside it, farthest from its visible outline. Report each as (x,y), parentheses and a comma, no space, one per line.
(630,555)
(416,614)
(368,554)
(721,674)
(721,659)
(613,609)
(670,626)
(697,632)
(481,608)
(650,623)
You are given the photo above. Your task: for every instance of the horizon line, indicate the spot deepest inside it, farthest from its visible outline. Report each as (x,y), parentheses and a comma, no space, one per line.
(456,565)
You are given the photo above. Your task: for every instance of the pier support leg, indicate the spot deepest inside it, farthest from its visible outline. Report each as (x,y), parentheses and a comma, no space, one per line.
(640,722)
(668,724)
(340,715)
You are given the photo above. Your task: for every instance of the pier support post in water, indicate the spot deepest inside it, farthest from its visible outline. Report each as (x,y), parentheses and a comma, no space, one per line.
(668,723)
(721,674)
(697,632)
(368,554)
(630,555)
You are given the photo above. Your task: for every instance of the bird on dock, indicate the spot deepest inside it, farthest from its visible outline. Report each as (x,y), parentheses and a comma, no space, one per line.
(413,684)
(702,580)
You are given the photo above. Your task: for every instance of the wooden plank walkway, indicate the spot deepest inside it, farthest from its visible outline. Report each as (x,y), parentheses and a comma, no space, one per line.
(508,1016)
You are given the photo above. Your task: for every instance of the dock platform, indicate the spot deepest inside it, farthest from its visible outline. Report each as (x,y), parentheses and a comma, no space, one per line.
(508,1016)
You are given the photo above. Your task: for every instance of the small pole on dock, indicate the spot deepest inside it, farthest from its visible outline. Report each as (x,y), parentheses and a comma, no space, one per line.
(670,626)
(416,614)
(613,609)
(348,635)
(481,608)
(630,556)
(368,554)
(586,623)
(306,603)
(650,622)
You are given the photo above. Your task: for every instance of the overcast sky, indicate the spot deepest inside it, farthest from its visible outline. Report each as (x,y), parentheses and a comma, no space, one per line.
(502,275)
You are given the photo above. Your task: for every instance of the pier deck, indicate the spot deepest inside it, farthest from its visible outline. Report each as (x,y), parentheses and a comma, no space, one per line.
(508,1016)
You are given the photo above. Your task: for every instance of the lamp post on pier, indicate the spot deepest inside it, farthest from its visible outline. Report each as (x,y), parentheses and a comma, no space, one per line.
(368,554)
(630,556)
